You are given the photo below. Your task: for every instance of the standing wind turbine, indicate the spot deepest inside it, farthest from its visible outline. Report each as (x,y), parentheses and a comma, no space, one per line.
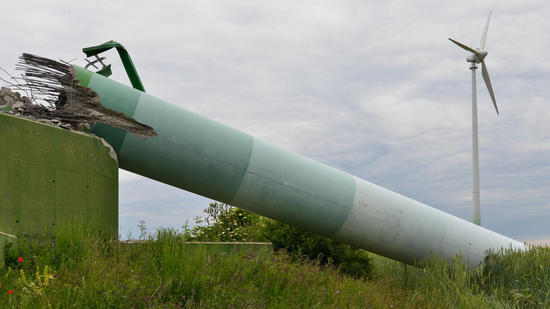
(478,56)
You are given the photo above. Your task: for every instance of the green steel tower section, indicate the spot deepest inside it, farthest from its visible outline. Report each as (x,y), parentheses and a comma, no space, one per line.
(197,154)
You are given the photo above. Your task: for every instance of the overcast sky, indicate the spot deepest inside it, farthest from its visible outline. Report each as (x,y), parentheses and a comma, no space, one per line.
(371,87)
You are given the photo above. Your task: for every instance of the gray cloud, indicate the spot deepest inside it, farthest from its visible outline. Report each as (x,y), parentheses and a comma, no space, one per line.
(373,88)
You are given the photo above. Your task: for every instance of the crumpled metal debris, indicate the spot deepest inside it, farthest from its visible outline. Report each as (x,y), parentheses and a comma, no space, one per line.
(55,96)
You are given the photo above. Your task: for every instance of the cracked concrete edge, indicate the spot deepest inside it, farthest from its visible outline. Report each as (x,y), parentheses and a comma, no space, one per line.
(112,152)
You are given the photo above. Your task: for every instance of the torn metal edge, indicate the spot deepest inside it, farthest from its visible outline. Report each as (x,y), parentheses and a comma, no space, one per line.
(56,83)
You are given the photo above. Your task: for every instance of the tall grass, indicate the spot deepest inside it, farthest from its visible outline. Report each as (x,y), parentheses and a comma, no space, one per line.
(506,279)
(521,278)
(82,268)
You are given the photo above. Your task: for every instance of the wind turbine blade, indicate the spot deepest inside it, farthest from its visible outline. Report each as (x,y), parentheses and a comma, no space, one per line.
(484,35)
(488,83)
(464,46)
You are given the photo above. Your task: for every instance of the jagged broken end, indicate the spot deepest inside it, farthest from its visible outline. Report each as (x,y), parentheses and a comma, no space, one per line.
(55,83)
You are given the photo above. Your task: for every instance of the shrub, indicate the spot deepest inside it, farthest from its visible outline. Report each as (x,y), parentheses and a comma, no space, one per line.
(226,223)
(300,243)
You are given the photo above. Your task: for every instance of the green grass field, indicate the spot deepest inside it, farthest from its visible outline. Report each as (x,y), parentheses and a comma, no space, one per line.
(82,269)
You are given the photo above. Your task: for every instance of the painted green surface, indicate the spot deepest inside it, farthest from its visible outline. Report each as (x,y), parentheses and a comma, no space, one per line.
(112,95)
(291,188)
(124,57)
(215,247)
(3,242)
(212,163)
(190,152)
(205,157)
(49,175)
(83,75)
(208,158)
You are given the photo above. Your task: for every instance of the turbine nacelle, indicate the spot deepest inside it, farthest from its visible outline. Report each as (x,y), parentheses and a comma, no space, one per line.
(477,57)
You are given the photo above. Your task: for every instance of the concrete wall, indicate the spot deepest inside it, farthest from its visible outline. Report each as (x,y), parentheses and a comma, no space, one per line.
(49,175)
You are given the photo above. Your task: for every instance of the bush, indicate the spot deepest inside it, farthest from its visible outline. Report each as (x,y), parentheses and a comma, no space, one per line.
(300,243)
(226,223)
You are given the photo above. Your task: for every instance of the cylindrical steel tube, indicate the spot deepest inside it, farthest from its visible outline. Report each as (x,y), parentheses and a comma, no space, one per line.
(200,155)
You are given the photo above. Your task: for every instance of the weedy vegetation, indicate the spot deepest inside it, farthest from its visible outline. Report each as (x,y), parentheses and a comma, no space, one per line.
(79,267)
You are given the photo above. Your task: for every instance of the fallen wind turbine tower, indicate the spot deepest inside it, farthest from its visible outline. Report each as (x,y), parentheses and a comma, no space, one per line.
(197,154)
(478,56)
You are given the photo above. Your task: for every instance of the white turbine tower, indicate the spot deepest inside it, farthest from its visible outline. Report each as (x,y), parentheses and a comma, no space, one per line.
(478,56)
